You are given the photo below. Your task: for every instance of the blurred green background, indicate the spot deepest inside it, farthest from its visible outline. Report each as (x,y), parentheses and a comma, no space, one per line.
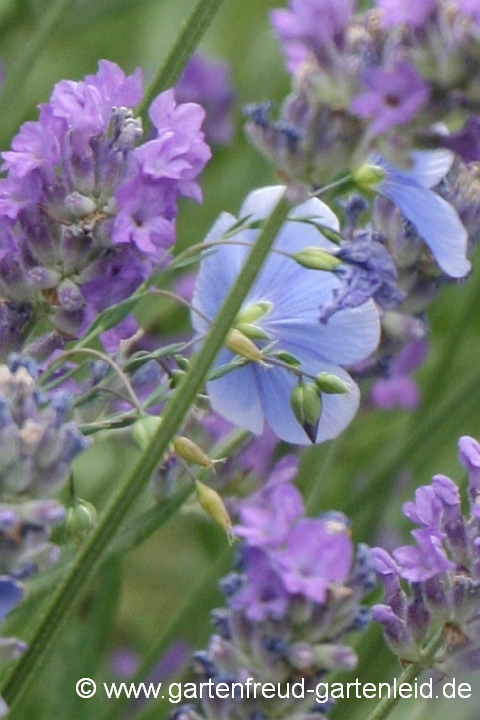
(135,599)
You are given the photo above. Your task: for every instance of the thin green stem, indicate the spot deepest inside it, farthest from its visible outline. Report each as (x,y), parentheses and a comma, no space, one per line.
(181,51)
(389,701)
(89,559)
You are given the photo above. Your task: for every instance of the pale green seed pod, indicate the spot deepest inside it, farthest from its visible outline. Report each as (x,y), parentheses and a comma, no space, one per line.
(241,345)
(314,258)
(331,384)
(81,518)
(213,504)
(367,176)
(189,451)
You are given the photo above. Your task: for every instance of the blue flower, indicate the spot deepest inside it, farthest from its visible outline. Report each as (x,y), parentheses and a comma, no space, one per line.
(291,296)
(435,220)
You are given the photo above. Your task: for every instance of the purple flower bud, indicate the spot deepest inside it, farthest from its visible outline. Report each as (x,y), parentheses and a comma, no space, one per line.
(469,456)
(424,561)
(408,12)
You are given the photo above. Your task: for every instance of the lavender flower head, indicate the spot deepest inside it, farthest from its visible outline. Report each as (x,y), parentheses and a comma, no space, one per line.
(311,27)
(291,603)
(86,211)
(409,12)
(443,572)
(392,97)
(285,300)
(207,82)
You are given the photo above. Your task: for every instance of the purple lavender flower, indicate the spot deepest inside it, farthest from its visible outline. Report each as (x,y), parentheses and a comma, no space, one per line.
(207,82)
(443,570)
(392,97)
(310,26)
(315,556)
(84,201)
(289,296)
(466,141)
(469,456)
(409,12)
(435,220)
(398,389)
(289,609)
(470,8)
(264,595)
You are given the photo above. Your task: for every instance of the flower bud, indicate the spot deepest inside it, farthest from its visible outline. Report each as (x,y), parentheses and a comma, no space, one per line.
(252,331)
(331,384)
(368,176)
(188,450)
(144,430)
(241,345)
(315,258)
(306,403)
(213,504)
(253,312)
(81,518)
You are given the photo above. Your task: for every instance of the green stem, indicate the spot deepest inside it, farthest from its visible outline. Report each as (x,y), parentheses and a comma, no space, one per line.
(181,51)
(90,557)
(389,701)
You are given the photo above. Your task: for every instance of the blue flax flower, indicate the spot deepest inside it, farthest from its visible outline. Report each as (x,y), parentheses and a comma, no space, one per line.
(290,296)
(435,220)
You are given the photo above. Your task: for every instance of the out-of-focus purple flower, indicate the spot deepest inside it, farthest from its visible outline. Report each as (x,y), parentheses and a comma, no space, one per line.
(470,8)
(410,12)
(435,220)
(310,26)
(469,456)
(392,97)
(466,141)
(123,663)
(264,595)
(315,555)
(398,389)
(425,560)
(11,592)
(207,82)
(289,296)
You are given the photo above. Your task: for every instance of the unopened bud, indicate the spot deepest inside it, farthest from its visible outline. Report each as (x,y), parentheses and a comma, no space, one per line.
(241,345)
(368,176)
(252,331)
(287,358)
(182,362)
(213,504)
(331,384)
(81,518)
(189,451)
(306,403)
(176,377)
(144,430)
(315,258)
(253,312)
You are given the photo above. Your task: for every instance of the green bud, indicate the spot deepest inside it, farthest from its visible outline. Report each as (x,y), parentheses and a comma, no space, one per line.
(182,362)
(241,345)
(252,331)
(81,518)
(315,258)
(296,401)
(188,450)
(287,358)
(253,312)
(213,504)
(306,403)
(367,176)
(312,404)
(331,384)
(144,430)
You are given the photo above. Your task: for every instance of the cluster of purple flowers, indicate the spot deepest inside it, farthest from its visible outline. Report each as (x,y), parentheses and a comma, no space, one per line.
(294,596)
(87,209)
(442,571)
